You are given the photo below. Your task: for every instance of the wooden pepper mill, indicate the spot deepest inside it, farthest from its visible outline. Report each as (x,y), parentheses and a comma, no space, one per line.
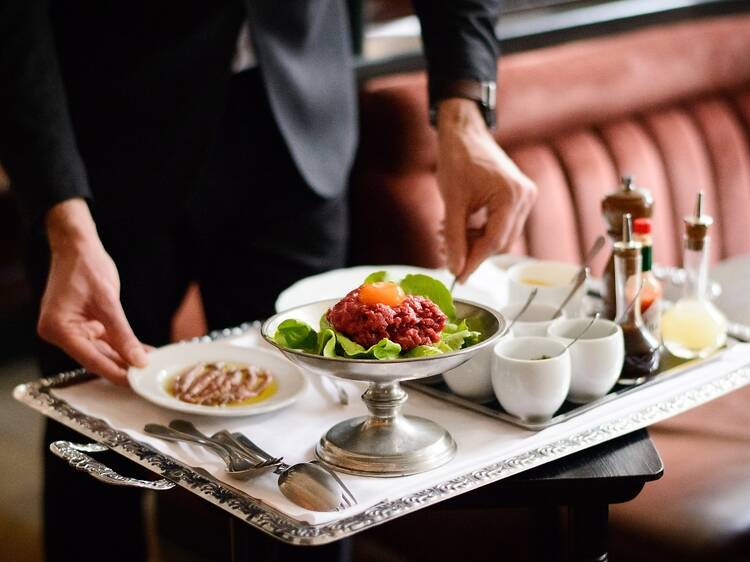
(628,199)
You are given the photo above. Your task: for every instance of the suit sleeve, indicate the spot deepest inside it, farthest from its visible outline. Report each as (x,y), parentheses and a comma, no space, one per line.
(37,143)
(459,40)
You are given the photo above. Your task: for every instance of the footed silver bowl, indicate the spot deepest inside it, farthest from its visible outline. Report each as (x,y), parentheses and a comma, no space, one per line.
(385,443)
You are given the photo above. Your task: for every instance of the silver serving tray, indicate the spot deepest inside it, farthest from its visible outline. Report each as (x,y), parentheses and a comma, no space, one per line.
(670,367)
(37,395)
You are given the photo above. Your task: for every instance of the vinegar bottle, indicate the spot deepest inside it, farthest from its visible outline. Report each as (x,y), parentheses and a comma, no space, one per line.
(694,327)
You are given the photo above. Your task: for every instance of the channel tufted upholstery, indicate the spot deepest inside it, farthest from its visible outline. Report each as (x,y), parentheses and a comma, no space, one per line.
(669,104)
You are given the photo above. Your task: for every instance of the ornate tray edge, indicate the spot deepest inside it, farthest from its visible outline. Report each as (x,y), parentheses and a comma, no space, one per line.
(37,396)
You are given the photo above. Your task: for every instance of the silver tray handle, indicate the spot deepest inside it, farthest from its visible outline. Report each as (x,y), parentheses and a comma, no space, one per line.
(76,456)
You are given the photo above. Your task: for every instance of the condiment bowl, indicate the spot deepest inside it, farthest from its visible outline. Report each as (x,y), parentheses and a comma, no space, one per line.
(531,376)
(534,321)
(472,380)
(596,358)
(553,279)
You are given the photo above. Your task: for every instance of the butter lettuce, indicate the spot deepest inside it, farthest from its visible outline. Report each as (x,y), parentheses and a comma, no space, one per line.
(426,286)
(328,342)
(376,277)
(296,334)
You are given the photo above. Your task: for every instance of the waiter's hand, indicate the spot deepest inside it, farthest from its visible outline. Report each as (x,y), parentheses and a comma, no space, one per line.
(487,198)
(80,310)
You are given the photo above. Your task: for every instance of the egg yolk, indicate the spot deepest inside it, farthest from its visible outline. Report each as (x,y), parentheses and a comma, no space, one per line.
(382,292)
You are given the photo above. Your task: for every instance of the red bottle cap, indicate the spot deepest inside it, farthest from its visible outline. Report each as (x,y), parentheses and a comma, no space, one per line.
(642,226)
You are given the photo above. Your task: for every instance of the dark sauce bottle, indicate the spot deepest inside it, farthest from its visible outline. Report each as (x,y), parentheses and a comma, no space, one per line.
(641,347)
(632,199)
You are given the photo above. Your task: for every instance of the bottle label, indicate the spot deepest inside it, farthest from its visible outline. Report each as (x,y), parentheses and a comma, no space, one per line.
(647,252)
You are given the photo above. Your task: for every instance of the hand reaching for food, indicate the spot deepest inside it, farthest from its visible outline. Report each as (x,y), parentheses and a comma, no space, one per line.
(80,310)
(487,197)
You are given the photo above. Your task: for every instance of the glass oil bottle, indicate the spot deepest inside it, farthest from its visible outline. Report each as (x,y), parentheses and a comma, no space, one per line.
(694,327)
(641,347)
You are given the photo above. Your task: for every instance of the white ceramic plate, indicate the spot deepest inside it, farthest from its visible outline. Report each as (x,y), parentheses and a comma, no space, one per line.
(486,286)
(167,361)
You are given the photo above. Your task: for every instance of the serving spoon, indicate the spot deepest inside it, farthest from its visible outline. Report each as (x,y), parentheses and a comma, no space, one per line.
(593,251)
(524,308)
(305,484)
(583,274)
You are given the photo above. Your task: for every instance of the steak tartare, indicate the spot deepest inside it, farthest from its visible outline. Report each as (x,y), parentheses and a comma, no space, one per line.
(414,321)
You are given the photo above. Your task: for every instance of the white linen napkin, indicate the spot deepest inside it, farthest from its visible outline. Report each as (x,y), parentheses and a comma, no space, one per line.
(292,432)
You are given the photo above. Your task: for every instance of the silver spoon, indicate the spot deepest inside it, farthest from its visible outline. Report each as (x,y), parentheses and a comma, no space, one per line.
(529,299)
(579,336)
(304,484)
(312,468)
(583,274)
(595,248)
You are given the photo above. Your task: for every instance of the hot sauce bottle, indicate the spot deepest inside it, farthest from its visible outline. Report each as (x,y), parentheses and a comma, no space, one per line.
(631,199)
(694,327)
(651,293)
(641,347)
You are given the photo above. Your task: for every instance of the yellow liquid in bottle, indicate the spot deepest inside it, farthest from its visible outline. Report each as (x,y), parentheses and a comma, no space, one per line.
(693,328)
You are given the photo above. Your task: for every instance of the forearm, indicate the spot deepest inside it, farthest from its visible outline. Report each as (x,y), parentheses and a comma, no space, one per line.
(37,144)
(459,40)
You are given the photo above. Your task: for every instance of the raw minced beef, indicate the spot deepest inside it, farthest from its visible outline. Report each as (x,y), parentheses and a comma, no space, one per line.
(416,321)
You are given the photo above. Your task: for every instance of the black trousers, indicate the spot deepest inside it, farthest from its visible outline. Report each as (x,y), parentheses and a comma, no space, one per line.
(250,228)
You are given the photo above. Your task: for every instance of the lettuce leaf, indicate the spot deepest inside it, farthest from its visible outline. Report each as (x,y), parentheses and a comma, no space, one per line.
(328,342)
(458,336)
(426,286)
(384,349)
(296,334)
(376,277)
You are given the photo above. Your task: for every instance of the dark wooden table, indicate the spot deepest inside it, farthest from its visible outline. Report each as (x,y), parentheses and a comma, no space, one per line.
(585,483)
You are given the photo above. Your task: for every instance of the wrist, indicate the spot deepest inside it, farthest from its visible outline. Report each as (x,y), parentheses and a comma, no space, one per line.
(69,224)
(459,114)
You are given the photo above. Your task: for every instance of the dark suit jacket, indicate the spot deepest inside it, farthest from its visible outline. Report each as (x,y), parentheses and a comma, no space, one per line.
(116,101)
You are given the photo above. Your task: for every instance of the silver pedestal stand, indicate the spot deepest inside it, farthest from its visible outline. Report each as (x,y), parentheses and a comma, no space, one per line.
(385,443)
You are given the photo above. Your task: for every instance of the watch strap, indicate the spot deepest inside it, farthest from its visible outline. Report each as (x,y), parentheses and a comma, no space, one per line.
(482,92)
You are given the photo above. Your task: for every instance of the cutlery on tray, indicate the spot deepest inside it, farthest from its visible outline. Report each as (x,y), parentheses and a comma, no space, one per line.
(312,467)
(237,465)
(309,485)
